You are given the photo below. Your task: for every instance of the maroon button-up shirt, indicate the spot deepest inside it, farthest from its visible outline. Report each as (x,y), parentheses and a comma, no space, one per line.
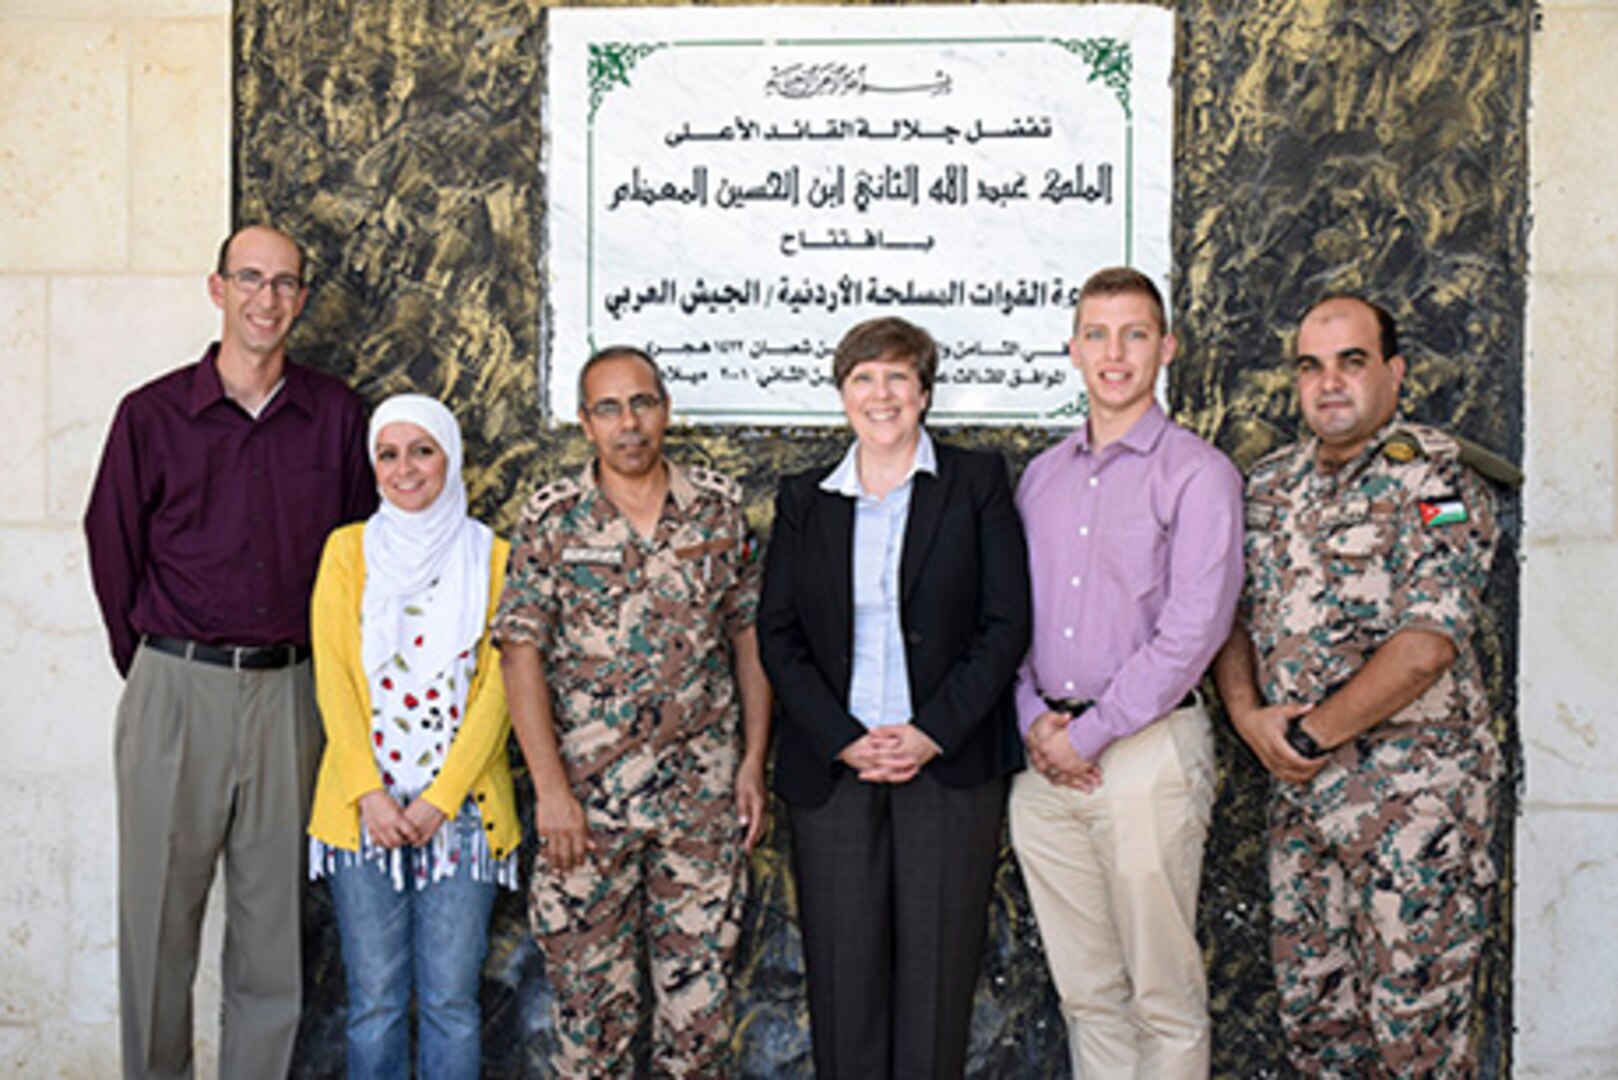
(207,524)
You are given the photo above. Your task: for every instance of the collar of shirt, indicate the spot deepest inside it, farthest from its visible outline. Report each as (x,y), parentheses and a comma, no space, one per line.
(845,479)
(1309,461)
(1141,437)
(208,389)
(685,493)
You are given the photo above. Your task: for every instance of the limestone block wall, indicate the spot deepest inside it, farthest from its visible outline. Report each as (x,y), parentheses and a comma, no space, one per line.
(114,191)
(1567,868)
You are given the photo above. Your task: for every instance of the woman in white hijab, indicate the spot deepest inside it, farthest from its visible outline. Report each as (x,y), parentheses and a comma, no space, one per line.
(414,823)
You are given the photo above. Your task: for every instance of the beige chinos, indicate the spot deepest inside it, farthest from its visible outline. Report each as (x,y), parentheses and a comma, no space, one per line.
(1112,876)
(212,761)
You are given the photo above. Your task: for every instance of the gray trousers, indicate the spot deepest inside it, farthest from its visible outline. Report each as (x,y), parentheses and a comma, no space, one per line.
(894,882)
(212,762)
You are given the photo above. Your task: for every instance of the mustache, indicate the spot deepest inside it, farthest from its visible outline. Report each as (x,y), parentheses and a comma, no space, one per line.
(631,441)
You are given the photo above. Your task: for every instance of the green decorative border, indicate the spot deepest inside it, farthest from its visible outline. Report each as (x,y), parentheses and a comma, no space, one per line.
(609,66)
(1109,59)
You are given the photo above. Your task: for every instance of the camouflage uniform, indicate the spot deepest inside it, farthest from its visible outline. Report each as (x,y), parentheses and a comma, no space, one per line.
(1379,866)
(635,634)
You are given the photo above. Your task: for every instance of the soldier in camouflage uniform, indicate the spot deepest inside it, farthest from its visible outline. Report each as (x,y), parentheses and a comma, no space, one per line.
(1352,676)
(627,643)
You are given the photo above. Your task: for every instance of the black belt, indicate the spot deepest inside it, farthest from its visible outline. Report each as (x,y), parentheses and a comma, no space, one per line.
(238,657)
(1073,706)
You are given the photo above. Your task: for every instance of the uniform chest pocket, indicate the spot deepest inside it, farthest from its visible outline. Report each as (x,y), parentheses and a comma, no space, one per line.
(1360,533)
(703,566)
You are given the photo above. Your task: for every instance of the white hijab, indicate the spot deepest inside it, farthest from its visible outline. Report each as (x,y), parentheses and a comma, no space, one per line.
(407,552)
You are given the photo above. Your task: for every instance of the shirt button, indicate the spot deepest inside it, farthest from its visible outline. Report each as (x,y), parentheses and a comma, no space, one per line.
(1084,530)
(1074,581)
(1068,685)
(1094,481)
(1067,631)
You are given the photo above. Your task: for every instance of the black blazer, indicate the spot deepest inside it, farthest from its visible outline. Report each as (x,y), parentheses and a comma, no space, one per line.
(964,611)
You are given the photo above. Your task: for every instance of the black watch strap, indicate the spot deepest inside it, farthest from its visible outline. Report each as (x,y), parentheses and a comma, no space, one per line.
(1303,742)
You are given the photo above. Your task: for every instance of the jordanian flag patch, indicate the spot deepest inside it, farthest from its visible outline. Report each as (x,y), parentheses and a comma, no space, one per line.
(1444,510)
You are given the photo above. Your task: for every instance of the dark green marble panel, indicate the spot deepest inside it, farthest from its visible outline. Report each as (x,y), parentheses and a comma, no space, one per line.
(1379,146)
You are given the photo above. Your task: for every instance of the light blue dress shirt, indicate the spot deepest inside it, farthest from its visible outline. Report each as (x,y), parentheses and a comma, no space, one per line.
(879,688)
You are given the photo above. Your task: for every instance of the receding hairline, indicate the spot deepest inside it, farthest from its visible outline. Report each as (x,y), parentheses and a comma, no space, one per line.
(1386,326)
(620,352)
(223,266)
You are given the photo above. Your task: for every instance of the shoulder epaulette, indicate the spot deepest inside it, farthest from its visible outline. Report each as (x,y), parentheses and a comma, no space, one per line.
(548,496)
(719,483)
(1411,441)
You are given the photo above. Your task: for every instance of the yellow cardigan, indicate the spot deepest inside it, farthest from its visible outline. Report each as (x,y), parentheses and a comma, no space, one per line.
(476,761)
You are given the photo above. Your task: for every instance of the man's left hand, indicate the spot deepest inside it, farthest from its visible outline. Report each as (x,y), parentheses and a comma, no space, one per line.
(752,803)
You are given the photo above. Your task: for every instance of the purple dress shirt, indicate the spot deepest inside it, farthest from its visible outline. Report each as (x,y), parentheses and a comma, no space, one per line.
(1135,557)
(207,524)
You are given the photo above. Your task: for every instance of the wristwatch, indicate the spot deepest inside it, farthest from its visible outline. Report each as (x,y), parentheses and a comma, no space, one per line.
(1303,742)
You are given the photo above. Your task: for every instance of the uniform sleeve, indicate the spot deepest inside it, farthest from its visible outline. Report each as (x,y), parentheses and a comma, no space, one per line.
(115,527)
(1443,551)
(485,725)
(341,687)
(738,609)
(527,613)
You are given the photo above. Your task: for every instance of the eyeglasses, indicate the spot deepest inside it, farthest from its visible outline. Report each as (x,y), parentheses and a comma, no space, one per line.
(286,286)
(613,409)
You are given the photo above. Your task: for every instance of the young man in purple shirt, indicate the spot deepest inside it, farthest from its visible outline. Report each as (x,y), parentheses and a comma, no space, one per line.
(1134,530)
(217,487)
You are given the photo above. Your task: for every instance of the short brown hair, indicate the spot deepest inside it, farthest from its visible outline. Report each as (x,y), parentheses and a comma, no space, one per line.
(877,339)
(1116,280)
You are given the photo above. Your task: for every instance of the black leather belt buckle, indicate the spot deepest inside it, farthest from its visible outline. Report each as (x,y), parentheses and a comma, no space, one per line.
(235,657)
(1071,706)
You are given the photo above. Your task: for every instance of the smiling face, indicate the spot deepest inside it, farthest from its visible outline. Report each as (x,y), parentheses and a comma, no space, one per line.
(884,401)
(258,319)
(1346,387)
(410,466)
(1119,346)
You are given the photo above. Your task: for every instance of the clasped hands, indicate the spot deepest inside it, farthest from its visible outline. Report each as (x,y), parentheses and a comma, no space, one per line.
(892,754)
(1053,756)
(391,826)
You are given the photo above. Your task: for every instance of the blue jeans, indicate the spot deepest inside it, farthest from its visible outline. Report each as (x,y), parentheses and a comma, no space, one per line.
(435,938)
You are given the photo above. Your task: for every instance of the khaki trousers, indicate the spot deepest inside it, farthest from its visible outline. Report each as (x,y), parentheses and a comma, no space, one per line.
(212,762)
(1113,880)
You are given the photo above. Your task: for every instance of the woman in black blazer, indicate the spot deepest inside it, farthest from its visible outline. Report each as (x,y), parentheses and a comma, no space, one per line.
(894,614)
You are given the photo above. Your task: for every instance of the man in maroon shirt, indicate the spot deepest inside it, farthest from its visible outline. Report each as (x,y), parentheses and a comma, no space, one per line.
(217,487)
